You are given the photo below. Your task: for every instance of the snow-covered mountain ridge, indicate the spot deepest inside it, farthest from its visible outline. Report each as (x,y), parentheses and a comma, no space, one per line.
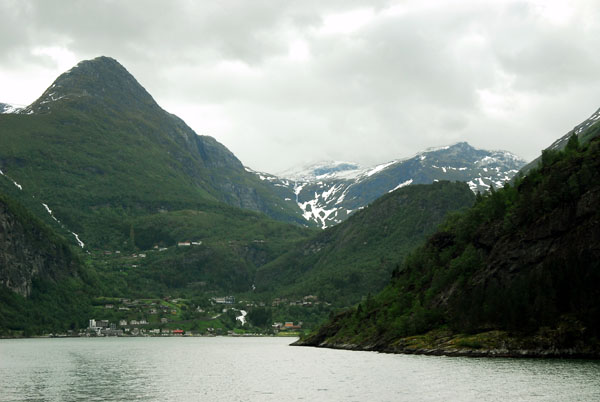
(6,108)
(586,130)
(328,192)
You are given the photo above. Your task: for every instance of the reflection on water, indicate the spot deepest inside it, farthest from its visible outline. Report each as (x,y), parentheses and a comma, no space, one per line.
(266,369)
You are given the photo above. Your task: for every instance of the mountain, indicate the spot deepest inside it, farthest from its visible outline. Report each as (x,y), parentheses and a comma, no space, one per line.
(345,262)
(586,131)
(6,108)
(28,249)
(327,193)
(98,151)
(43,283)
(515,275)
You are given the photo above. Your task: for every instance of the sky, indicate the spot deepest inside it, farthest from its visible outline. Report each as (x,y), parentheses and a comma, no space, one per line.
(284,84)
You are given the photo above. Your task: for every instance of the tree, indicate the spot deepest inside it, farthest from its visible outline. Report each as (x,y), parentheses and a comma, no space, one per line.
(572,144)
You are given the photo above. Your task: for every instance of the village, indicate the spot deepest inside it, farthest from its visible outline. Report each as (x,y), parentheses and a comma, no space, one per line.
(166,317)
(135,328)
(201,311)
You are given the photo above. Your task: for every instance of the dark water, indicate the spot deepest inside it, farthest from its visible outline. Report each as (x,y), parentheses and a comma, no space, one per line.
(266,369)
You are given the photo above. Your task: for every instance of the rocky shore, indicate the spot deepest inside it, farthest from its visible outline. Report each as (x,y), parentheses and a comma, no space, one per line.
(487,344)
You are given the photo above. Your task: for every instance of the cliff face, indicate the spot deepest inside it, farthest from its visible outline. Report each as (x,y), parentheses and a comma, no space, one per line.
(28,249)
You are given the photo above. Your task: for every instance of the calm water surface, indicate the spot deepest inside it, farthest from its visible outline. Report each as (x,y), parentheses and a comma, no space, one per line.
(267,369)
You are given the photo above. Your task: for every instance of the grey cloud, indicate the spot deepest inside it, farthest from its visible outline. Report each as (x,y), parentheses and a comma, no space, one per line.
(397,85)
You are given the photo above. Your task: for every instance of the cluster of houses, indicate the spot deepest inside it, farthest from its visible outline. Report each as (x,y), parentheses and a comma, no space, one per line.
(306,301)
(106,328)
(166,309)
(189,243)
(156,247)
(287,326)
(224,300)
(140,306)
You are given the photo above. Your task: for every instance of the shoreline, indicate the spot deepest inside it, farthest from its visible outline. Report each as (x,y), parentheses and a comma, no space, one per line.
(568,353)
(485,344)
(150,336)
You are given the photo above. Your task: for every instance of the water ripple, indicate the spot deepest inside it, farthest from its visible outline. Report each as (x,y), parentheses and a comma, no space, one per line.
(266,369)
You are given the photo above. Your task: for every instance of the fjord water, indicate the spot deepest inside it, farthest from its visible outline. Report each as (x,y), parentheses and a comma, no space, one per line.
(267,369)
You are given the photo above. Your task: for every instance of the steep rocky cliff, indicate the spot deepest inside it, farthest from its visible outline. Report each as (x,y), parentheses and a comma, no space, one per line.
(29,249)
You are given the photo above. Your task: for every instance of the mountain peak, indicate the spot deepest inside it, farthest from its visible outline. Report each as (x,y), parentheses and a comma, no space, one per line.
(100,81)
(324,169)
(6,108)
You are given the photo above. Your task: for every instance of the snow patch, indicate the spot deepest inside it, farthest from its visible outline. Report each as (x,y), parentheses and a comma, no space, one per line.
(343,196)
(298,189)
(324,170)
(312,211)
(50,212)
(404,184)
(14,182)
(242,318)
(486,160)
(10,109)
(81,244)
(379,168)
(330,192)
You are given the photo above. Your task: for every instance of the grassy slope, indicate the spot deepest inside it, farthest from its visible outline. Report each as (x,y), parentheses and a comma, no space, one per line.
(234,243)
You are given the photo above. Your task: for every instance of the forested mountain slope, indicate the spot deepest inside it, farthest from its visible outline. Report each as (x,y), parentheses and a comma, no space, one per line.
(41,279)
(516,274)
(98,150)
(346,262)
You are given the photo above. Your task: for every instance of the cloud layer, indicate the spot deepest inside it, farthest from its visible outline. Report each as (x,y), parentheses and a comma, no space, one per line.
(287,83)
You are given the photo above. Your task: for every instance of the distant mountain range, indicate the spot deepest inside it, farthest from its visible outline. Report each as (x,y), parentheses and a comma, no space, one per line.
(131,140)
(327,193)
(6,108)
(97,161)
(515,275)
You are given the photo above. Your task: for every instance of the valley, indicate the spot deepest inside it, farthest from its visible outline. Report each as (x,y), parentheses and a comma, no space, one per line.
(114,211)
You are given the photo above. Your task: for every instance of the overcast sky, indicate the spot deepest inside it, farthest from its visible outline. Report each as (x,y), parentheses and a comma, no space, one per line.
(286,83)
